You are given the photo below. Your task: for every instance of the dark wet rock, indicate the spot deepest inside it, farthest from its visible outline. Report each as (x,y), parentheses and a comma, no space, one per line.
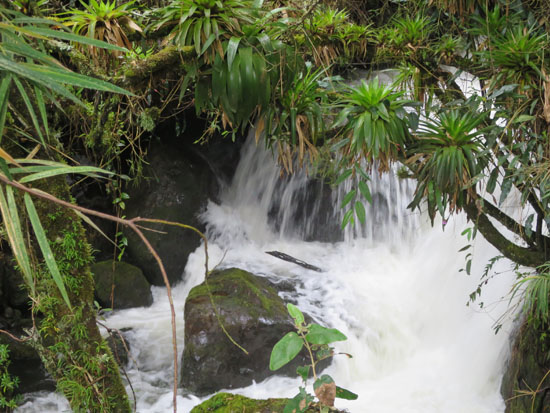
(13,288)
(178,191)
(119,345)
(131,288)
(252,313)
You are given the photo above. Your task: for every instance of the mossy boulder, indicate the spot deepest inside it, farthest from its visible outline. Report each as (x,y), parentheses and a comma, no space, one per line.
(252,313)
(527,371)
(235,403)
(131,288)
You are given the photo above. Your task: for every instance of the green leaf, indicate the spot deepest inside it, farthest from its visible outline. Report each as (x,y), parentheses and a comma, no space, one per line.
(492,182)
(4,96)
(30,109)
(232,47)
(285,350)
(348,217)
(294,404)
(10,217)
(322,335)
(295,313)
(303,372)
(348,197)
(523,118)
(45,248)
(345,394)
(42,32)
(360,211)
(505,188)
(364,189)
(85,170)
(345,175)
(4,168)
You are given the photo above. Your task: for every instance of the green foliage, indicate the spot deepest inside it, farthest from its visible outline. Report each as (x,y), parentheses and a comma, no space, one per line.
(447,156)
(535,288)
(298,119)
(331,37)
(314,338)
(8,383)
(103,21)
(205,23)
(375,123)
(519,55)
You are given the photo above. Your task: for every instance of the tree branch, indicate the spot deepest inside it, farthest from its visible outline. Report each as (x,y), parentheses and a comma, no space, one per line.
(521,255)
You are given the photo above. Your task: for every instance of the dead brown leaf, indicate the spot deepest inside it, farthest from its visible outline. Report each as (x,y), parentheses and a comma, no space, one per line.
(326,393)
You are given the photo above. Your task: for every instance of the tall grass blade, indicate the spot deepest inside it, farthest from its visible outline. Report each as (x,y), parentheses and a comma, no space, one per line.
(45,248)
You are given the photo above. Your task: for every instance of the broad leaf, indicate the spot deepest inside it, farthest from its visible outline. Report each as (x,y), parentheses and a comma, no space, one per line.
(285,350)
(322,335)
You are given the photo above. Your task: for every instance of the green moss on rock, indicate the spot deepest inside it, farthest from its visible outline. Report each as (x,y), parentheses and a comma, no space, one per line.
(234,403)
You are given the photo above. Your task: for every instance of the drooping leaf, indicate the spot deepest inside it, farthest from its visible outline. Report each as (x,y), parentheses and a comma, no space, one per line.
(364,189)
(345,394)
(232,47)
(10,217)
(360,211)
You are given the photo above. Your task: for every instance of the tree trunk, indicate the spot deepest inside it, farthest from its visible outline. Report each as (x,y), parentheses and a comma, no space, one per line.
(70,343)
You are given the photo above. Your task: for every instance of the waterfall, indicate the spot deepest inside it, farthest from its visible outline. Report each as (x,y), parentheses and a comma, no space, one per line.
(392,286)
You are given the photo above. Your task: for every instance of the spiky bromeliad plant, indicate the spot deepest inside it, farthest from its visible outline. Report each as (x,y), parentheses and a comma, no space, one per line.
(103,21)
(205,23)
(330,35)
(446,157)
(519,55)
(375,124)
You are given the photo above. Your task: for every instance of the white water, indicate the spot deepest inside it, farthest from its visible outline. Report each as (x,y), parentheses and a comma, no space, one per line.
(395,291)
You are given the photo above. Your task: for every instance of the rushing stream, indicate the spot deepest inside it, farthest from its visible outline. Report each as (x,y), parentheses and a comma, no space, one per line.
(393,287)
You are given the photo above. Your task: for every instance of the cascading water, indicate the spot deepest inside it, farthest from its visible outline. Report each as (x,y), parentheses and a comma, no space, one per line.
(393,287)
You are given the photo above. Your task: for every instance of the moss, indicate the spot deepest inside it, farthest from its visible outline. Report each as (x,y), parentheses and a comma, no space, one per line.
(240,285)
(167,58)
(70,344)
(234,403)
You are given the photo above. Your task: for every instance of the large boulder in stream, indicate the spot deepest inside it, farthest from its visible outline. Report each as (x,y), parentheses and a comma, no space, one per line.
(126,282)
(255,317)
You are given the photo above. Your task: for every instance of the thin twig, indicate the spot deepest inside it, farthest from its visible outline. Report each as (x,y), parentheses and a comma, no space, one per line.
(10,335)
